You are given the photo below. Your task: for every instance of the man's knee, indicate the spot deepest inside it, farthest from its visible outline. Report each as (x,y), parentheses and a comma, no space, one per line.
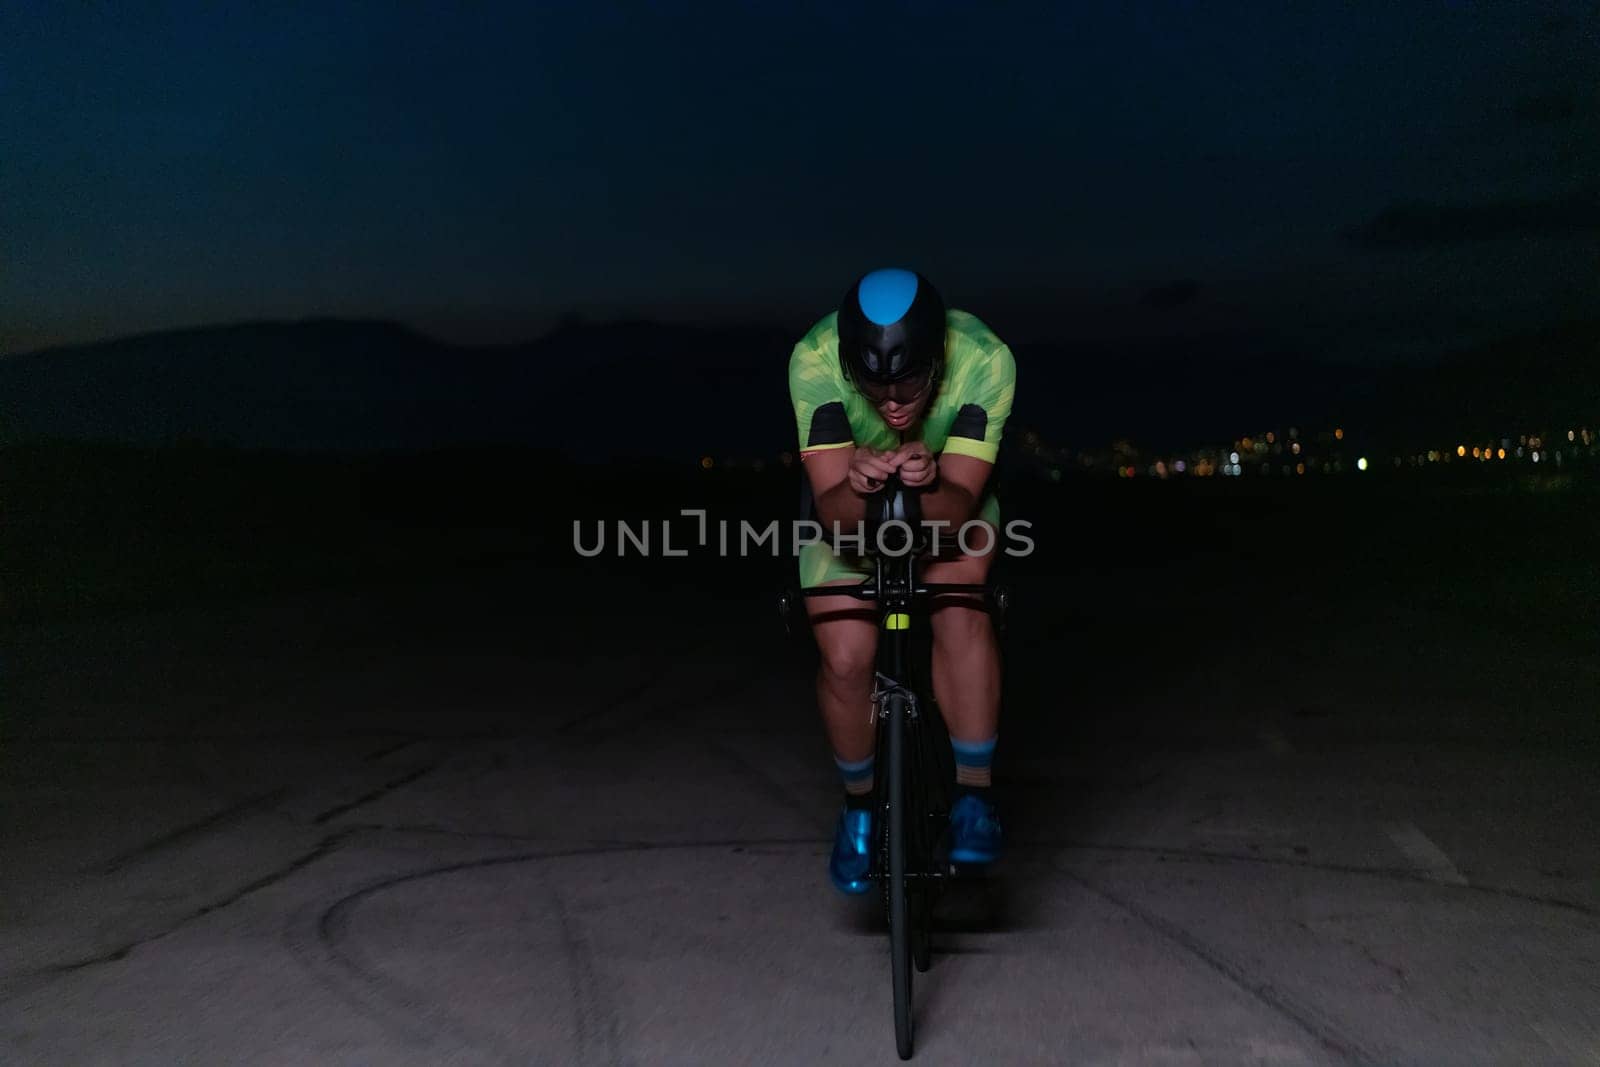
(960,619)
(848,657)
(959,616)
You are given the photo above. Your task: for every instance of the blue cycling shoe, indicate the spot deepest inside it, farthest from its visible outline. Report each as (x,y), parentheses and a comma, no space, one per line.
(852,852)
(974,831)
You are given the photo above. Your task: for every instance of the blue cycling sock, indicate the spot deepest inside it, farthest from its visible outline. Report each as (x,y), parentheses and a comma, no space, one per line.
(973,759)
(857,776)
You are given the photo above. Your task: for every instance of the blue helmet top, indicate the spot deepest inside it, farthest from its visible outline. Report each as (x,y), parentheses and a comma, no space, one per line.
(886,295)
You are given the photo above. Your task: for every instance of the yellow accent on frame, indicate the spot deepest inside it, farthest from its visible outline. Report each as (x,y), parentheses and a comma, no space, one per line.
(897,621)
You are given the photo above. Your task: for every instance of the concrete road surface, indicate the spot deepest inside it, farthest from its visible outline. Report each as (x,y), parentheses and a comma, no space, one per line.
(507,817)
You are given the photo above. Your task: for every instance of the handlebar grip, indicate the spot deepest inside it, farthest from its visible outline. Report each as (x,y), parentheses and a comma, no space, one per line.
(894,502)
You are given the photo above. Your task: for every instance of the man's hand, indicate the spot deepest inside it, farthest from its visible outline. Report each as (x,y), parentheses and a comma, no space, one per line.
(917,465)
(869,469)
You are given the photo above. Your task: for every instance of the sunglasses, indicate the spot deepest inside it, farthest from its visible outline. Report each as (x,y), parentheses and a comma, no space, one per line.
(908,391)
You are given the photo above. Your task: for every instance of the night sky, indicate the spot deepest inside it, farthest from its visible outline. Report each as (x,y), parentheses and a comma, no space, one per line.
(1370,182)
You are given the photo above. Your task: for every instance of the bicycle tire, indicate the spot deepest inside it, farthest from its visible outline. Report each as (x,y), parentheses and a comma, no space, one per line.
(899,899)
(932,761)
(920,840)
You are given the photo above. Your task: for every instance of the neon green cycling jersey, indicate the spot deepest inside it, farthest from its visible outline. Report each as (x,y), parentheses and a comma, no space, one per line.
(965,417)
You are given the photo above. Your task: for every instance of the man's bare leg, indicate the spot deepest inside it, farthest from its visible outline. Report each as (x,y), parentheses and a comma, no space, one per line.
(966,654)
(966,682)
(847,637)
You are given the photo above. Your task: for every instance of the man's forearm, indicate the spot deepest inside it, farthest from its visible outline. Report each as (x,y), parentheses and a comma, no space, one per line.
(948,502)
(841,505)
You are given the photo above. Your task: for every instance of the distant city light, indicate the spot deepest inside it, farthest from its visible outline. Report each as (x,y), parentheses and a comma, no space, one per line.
(1265,450)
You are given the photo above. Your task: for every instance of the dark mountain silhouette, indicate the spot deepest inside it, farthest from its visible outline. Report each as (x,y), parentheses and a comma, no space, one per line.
(1167,394)
(1546,381)
(600,391)
(1216,388)
(623,389)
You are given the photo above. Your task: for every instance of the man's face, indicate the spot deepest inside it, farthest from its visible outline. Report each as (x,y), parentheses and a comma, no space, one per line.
(900,403)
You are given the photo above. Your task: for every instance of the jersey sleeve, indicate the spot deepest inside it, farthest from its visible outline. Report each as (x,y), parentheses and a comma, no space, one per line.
(985,406)
(819,412)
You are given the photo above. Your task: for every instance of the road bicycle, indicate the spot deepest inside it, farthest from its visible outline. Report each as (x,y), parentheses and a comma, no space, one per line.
(912,798)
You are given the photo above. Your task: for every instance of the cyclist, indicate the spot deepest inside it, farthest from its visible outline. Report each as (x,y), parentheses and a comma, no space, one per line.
(894,383)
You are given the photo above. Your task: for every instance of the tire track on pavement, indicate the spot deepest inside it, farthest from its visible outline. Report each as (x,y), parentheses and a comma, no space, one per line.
(404,1010)
(1393,874)
(30,981)
(1326,1032)
(187,831)
(372,795)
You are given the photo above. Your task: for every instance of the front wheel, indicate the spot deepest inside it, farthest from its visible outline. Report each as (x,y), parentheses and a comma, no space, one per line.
(900,919)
